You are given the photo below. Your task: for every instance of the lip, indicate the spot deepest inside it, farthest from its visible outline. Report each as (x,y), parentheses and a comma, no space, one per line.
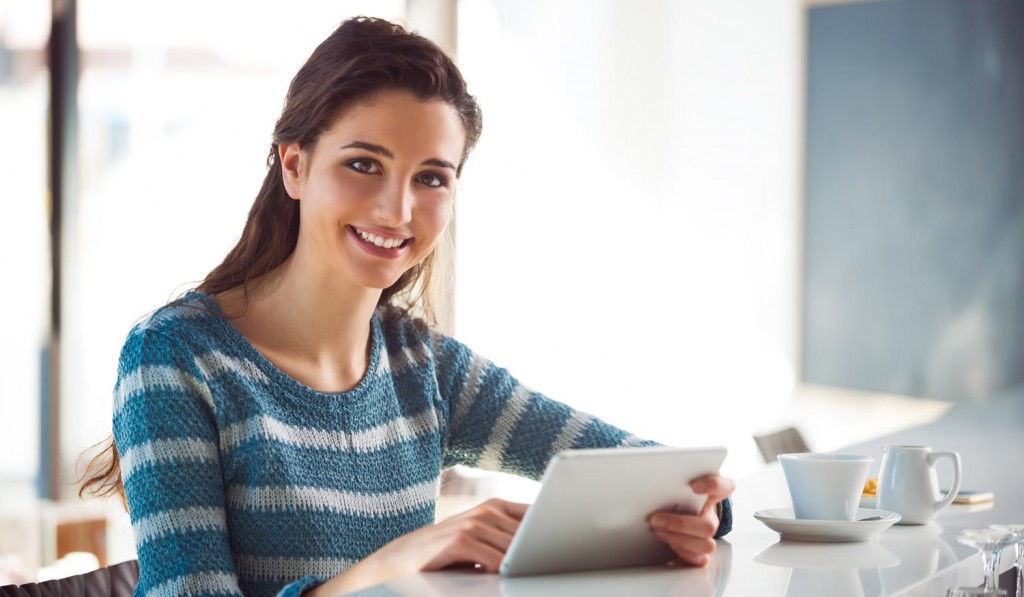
(372,249)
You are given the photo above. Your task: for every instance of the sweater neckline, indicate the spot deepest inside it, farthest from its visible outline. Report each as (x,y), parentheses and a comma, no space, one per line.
(279,377)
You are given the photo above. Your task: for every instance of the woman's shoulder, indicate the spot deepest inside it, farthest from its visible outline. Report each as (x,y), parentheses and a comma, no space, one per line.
(183,319)
(406,332)
(400,325)
(189,332)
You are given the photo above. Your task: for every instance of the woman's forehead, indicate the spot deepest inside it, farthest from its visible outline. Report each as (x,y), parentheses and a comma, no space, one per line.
(401,119)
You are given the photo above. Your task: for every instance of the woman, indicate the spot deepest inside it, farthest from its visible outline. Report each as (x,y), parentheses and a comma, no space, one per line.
(282,429)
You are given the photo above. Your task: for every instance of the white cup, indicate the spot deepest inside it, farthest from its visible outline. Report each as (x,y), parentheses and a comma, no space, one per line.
(825,486)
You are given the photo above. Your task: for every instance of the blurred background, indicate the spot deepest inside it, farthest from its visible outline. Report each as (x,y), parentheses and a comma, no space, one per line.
(701,221)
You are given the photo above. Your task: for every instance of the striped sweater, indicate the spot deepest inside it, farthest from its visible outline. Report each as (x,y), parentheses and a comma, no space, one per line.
(242,480)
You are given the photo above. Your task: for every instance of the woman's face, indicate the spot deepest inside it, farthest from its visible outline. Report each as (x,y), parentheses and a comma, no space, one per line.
(376,189)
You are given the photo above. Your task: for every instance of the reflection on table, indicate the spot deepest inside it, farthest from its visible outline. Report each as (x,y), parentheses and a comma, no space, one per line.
(835,569)
(669,581)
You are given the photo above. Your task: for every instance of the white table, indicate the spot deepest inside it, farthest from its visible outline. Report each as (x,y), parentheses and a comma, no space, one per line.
(903,560)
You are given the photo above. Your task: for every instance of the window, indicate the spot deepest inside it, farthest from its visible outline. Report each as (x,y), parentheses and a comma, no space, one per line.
(24,239)
(627,225)
(178,102)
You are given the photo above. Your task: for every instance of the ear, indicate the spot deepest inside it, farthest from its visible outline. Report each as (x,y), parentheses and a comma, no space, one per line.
(293,165)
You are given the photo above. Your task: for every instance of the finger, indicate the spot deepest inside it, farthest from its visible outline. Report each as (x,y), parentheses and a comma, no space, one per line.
(691,550)
(703,526)
(480,535)
(494,522)
(498,513)
(482,530)
(491,560)
(716,488)
(466,549)
(483,553)
(514,509)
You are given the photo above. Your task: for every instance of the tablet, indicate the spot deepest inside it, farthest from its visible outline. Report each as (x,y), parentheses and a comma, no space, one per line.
(592,508)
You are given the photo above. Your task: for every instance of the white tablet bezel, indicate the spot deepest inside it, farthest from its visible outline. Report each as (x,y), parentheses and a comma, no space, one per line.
(592,508)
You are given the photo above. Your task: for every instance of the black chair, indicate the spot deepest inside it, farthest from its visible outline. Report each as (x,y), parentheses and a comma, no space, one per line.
(118,580)
(784,441)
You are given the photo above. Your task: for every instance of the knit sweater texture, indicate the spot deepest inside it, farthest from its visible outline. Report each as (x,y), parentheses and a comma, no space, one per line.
(241,480)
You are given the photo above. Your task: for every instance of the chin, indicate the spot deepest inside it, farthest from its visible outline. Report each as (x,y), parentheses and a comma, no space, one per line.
(378,282)
(377,278)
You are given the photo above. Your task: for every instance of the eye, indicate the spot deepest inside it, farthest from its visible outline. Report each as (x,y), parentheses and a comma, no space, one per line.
(364,166)
(432,180)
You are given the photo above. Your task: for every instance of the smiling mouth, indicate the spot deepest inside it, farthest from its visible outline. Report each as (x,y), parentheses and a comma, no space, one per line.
(381,241)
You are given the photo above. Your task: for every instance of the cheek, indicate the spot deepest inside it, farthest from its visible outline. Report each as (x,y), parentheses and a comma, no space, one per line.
(354,186)
(438,214)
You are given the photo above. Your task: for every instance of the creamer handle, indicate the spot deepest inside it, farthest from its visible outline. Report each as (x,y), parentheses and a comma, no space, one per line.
(955,489)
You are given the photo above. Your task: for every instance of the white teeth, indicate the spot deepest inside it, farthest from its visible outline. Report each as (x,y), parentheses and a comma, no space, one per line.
(380,241)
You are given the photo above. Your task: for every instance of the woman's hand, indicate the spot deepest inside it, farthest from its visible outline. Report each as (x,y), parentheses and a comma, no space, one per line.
(691,536)
(477,537)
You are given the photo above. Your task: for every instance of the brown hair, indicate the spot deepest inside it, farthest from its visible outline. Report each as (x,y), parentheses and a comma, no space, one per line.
(361,58)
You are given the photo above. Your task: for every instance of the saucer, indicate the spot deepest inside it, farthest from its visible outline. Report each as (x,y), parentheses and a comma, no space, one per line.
(781,520)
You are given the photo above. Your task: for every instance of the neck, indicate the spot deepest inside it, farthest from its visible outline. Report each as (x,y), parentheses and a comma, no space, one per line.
(313,326)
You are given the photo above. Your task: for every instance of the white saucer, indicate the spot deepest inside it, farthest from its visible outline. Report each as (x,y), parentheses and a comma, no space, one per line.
(782,521)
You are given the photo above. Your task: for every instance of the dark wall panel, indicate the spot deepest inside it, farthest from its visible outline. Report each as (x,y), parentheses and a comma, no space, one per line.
(914,221)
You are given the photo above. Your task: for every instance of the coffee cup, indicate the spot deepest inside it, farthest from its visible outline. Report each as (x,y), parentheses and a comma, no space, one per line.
(825,486)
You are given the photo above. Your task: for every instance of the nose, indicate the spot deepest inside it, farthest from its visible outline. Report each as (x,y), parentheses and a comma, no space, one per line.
(394,205)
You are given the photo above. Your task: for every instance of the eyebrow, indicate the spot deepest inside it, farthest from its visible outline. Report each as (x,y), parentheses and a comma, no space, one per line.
(384,151)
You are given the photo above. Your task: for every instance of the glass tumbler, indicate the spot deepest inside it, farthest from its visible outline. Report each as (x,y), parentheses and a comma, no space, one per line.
(990,542)
(1017,530)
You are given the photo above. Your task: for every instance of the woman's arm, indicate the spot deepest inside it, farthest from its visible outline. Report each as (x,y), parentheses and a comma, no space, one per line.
(496,423)
(170,463)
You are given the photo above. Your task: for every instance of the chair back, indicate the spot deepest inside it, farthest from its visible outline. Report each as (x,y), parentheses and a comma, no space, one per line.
(784,441)
(118,580)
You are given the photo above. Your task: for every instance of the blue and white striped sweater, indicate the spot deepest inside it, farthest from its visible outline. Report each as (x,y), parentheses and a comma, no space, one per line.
(242,480)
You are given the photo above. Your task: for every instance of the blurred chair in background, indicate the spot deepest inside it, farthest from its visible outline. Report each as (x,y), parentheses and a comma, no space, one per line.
(784,441)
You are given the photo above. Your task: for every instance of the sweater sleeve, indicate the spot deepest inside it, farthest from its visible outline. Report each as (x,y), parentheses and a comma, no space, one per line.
(166,435)
(496,423)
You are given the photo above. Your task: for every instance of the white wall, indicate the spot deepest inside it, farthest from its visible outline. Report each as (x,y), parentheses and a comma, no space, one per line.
(628,226)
